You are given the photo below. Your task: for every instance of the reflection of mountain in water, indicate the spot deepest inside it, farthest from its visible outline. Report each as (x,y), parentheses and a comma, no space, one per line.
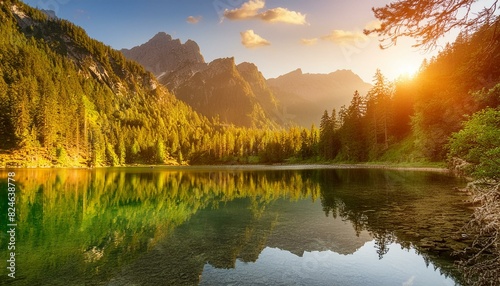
(306,228)
(326,268)
(240,232)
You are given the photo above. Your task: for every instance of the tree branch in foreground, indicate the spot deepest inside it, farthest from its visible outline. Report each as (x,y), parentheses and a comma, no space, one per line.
(427,21)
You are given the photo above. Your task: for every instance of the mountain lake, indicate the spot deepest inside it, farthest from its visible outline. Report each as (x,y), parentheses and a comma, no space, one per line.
(233,225)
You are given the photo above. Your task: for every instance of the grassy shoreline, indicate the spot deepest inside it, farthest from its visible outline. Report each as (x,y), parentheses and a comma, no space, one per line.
(280,166)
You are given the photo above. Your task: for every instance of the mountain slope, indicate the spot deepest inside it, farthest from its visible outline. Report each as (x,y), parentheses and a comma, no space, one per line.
(66,99)
(220,91)
(306,95)
(261,90)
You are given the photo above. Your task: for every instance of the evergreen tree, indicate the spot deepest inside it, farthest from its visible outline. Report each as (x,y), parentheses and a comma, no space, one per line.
(378,114)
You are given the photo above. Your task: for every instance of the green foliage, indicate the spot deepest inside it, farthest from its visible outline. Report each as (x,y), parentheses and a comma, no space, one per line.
(352,136)
(488,97)
(111,158)
(161,154)
(62,156)
(478,144)
(329,141)
(378,115)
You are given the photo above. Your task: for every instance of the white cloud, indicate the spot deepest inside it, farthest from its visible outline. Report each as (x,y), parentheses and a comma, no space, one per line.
(309,42)
(251,40)
(250,10)
(193,19)
(342,37)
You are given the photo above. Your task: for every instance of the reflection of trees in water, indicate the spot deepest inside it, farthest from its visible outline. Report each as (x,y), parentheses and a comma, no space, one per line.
(398,207)
(108,217)
(103,219)
(383,240)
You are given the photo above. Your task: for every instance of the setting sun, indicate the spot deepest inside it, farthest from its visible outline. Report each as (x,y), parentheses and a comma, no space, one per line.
(407,70)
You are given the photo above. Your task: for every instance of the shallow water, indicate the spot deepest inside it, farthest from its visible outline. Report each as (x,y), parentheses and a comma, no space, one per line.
(234,226)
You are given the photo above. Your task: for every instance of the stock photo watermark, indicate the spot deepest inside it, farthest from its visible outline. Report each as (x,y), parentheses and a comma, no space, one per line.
(355,47)
(221,6)
(11,224)
(51,5)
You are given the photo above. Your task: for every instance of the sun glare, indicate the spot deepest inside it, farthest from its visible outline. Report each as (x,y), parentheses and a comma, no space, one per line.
(407,70)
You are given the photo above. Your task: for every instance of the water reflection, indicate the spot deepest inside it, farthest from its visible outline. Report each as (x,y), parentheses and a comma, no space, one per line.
(281,267)
(157,226)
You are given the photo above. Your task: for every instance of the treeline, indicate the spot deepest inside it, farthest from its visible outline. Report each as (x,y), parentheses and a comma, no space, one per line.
(371,125)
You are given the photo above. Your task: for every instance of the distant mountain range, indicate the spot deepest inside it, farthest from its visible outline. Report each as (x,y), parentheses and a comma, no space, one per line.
(239,94)
(307,96)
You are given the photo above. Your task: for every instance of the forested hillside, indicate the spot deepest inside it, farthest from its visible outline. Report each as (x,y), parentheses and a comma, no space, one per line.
(69,100)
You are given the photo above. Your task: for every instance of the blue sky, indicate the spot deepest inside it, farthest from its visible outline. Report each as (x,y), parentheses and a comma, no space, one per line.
(318,36)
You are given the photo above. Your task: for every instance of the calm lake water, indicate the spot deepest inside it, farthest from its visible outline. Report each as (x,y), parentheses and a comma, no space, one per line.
(240,226)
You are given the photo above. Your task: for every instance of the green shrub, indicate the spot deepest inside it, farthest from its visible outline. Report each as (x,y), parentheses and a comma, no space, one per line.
(477,145)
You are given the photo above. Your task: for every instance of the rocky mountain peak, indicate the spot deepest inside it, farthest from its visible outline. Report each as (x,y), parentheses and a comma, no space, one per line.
(50,13)
(251,73)
(161,54)
(222,65)
(161,37)
(247,67)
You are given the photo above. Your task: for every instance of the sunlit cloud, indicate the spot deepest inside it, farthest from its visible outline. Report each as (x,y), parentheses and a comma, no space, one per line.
(283,15)
(375,24)
(251,40)
(342,37)
(250,10)
(193,19)
(309,42)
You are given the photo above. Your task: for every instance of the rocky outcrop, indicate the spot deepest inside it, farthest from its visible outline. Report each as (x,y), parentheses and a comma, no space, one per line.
(261,90)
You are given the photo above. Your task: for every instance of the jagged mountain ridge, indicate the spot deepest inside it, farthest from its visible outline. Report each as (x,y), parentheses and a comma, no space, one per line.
(235,94)
(294,97)
(306,95)
(161,54)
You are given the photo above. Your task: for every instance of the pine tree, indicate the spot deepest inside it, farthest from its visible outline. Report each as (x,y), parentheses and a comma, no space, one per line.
(378,111)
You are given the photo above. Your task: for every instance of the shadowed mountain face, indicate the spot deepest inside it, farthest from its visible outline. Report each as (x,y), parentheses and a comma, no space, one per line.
(306,96)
